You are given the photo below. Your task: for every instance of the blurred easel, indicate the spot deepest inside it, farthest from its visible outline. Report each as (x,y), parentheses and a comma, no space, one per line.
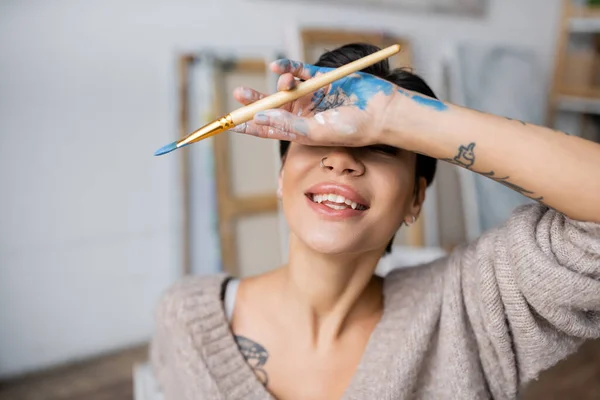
(231,206)
(575,86)
(316,41)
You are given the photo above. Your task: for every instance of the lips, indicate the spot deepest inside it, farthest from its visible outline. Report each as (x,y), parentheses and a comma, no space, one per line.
(336,200)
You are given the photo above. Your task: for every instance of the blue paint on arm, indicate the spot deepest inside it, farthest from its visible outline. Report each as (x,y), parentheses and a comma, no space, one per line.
(430,102)
(424,100)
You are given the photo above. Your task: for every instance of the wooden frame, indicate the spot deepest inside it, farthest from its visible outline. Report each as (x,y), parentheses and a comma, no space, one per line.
(230,206)
(340,37)
(560,62)
(573,15)
(463,8)
(415,235)
(184,65)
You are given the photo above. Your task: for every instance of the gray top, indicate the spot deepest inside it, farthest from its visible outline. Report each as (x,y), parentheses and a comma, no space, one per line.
(478,324)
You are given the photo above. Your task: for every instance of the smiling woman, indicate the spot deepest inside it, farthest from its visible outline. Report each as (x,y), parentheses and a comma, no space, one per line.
(402,176)
(361,156)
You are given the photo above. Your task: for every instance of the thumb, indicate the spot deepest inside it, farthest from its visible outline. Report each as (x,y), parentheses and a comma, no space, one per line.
(276,124)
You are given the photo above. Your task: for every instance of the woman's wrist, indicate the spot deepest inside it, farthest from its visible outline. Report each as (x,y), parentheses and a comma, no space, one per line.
(410,122)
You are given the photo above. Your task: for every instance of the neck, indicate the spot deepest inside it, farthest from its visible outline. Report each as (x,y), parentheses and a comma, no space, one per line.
(328,293)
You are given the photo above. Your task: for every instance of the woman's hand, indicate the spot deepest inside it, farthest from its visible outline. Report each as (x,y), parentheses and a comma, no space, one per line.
(361,110)
(349,112)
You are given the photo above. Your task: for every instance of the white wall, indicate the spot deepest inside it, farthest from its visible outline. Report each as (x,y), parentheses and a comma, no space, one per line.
(89,225)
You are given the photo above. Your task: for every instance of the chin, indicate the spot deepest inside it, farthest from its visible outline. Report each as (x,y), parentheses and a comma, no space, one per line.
(334,237)
(333,244)
(330,248)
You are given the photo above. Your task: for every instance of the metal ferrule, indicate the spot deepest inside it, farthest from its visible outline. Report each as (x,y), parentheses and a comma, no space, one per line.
(220,125)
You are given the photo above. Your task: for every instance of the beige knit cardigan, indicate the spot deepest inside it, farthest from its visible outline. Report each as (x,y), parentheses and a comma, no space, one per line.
(478,324)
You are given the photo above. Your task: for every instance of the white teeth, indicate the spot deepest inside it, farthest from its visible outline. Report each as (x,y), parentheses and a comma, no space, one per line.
(335,198)
(336,207)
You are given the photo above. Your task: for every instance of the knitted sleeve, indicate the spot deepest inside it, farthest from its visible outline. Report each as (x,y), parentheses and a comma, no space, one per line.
(532,294)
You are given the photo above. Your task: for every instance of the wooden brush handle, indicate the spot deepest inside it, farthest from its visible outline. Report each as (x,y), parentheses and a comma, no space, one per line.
(278,99)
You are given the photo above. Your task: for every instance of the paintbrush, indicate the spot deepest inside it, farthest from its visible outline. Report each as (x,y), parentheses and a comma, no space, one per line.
(278,99)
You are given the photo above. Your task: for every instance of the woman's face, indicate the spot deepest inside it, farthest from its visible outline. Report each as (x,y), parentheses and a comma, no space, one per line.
(355,202)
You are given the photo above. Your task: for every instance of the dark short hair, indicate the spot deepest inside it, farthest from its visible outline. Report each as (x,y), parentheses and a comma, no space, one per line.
(402,77)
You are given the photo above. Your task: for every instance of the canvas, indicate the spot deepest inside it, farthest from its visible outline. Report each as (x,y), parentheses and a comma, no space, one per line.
(500,80)
(460,7)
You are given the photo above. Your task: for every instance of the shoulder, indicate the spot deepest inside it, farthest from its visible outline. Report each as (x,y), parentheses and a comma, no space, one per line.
(190,297)
(419,278)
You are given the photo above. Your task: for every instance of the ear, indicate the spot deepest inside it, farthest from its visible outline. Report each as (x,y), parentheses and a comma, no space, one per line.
(418,200)
(280,184)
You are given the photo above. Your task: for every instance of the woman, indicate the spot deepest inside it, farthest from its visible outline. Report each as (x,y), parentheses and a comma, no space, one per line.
(476,325)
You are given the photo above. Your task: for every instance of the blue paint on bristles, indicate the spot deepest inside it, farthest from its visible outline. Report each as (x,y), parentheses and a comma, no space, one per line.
(166,149)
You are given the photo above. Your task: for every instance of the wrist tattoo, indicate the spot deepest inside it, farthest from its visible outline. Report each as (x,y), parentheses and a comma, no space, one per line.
(512,119)
(525,124)
(466,158)
(256,356)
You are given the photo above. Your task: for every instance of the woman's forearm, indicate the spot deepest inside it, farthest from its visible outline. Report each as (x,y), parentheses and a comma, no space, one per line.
(549,166)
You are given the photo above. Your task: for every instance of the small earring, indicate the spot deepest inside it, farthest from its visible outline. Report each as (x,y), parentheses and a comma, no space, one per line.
(414,219)
(279,193)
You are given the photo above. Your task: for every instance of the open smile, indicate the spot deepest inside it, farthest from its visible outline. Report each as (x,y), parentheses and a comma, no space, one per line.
(336,201)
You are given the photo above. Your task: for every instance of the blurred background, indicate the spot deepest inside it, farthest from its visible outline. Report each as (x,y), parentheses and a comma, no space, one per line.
(93,227)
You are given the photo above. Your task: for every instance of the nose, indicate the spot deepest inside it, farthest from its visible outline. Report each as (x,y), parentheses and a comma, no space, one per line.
(343,162)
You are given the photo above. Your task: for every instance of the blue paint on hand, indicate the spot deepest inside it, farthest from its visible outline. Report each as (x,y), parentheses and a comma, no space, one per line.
(311,70)
(355,90)
(369,87)
(166,149)
(305,70)
(284,64)
(430,102)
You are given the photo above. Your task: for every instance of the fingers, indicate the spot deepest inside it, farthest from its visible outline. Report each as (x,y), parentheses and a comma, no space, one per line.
(246,95)
(323,128)
(264,131)
(274,124)
(339,127)
(247,128)
(296,68)
(286,82)
(283,121)
(277,124)
(289,71)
